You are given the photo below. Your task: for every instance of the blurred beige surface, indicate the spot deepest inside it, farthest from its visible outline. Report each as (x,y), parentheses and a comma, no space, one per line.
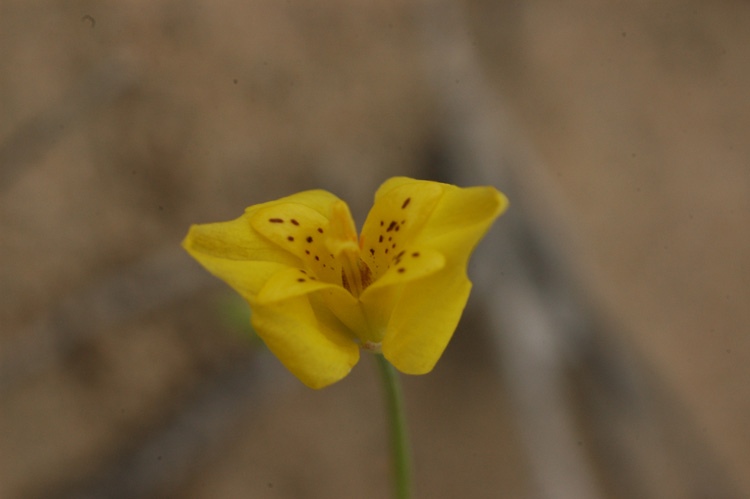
(642,115)
(123,123)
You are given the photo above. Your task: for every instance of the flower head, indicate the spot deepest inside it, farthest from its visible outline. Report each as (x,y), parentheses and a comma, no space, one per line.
(318,292)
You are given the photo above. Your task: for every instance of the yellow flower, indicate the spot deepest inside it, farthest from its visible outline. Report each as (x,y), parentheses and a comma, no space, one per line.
(318,293)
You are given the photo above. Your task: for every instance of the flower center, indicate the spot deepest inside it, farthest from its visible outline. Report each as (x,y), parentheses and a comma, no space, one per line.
(342,242)
(328,247)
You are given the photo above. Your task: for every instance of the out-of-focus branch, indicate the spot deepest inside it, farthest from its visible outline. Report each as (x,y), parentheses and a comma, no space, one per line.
(527,335)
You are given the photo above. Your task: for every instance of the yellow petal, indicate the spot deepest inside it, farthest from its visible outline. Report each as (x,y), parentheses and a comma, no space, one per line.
(348,310)
(313,346)
(379,299)
(301,231)
(316,233)
(235,253)
(424,319)
(460,219)
(407,265)
(289,283)
(342,236)
(318,200)
(402,207)
(427,311)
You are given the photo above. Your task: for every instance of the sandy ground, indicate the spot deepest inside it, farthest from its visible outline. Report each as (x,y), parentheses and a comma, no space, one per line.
(123,374)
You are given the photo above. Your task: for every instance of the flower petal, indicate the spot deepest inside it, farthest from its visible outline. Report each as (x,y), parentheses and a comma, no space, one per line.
(317,199)
(313,346)
(380,298)
(460,219)
(289,283)
(301,231)
(402,207)
(348,310)
(428,310)
(407,265)
(236,254)
(316,232)
(424,319)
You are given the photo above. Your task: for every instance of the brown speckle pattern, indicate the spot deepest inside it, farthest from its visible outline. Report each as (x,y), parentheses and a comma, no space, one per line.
(384,246)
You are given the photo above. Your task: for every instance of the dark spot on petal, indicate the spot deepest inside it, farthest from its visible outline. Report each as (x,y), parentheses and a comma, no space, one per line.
(372,251)
(317,258)
(320,230)
(301,280)
(290,238)
(406,203)
(309,239)
(294,221)
(391,226)
(380,240)
(381,223)
(386,251)
(400,254)
(390,239)
(398,227)
(393,245)
(307,251)
(276,220)
(415,254)
(302,271)
(401,270)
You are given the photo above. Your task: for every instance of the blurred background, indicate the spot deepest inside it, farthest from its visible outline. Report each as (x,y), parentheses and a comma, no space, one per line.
(604,351)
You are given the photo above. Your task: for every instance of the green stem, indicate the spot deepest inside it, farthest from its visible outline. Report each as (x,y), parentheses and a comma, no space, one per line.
(400,450)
